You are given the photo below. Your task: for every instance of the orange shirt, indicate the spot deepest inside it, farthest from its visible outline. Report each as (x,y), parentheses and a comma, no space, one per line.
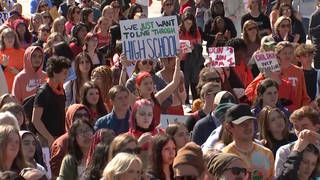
(244,73)
(15,57)
(295,75)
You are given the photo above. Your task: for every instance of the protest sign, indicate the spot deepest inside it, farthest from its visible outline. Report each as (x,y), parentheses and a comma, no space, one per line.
(267,62)
(150,38)
(222,56)
(3,17)
(166,119)
(185,46)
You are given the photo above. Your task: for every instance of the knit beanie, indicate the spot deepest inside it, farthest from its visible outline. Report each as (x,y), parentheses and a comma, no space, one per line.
(190,154)
(220,162)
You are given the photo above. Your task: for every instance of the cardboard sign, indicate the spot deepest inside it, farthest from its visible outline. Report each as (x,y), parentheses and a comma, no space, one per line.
(150,38)
(3,17)
(267,62)
(166,119)
(143,2)
(222,57)
(185,46)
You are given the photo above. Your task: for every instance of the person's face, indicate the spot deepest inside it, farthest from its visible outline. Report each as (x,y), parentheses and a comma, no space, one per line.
(254,5)
(252,30)
(97,78)
(145,65)
(133,173)
(61,27)
(9,40)
(43,7)
(121,100)
(168,7)
(213,77)
(84,135)
(92,43)
(21,29)
(144,116)
(62,76)
(82,33)
(244,131)
(169,63)
(46,19)
(81,114)
(146,86)
(307,58)
(270,97)
(181,137)
(90,17)
(183,171)
(284,27)
(168,153)
(105,24)
(286,55)
(36,21)
(235,171)
(220,24)
(44,33)
(109,14)
(187,24)
(84,65)
(276,122)
(13,145)
(307,165)
(28,146)
(304,123)
(76,15)
(286,11)
(218,8)
(36,59)
(93,96)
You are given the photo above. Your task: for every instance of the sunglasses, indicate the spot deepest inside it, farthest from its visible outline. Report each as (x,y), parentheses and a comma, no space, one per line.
(285,25)
(237,170)
(214,79)
(145,62)
(252,28)
(45,30)
(185,178)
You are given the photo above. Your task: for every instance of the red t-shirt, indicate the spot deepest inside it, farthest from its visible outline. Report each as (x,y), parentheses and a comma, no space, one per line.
(103,40)
(193,40)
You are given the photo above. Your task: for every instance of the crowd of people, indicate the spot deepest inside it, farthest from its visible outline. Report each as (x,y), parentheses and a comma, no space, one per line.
(70,107)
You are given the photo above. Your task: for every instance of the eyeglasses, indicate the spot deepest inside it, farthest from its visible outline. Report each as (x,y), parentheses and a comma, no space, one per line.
(213,79)
(237,170)
(285,25)
(185,178)
(145,62)
(80,115)
(252,28)
(45,30)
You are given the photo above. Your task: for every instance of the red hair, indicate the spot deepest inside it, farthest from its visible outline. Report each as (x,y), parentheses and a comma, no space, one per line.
(141,76)
(136,106)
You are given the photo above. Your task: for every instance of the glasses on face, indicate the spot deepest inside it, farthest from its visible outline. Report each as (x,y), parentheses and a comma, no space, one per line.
(185,178)
(80,115)
(252,28)
(237,170)
(214,79)
(285,25)
(145,62)
(45,30)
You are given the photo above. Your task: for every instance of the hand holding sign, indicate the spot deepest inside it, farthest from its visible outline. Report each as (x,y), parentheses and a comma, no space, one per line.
(222,57)
(185,46)
(5,60)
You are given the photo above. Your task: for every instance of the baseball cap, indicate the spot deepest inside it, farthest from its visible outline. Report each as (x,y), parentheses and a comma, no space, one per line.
(268,41)
(238,114)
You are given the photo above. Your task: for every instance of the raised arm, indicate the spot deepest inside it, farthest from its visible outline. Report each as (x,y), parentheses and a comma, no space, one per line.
(170,88)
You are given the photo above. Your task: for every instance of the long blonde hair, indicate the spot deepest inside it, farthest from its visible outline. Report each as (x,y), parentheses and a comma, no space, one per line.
(119,165)
(19,162)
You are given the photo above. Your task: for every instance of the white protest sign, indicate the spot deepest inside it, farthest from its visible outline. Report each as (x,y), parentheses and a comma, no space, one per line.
(150,38)
(3,17)
(222,57)
(143,2)
(267,62)
(166,119)
(185,46)
(46,159)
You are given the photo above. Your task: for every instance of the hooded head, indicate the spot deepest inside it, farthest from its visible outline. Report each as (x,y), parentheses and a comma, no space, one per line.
(33,61)
(70,114)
